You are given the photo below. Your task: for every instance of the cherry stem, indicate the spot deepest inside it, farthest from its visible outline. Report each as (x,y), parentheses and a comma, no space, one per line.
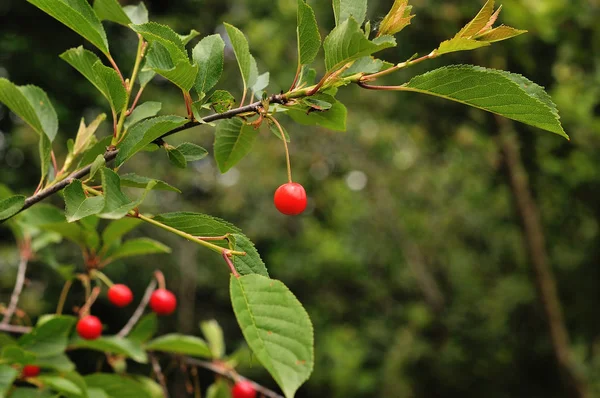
(116,67)
(139,311)
(226,255)
(100,275)
(160,278)
(287,152)
(298,70)
(85,310)
(63,296)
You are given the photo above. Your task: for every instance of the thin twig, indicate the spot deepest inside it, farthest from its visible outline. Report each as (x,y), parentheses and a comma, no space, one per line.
(15,329)
(138,311)
(231,374)
(14,298)
(159,375)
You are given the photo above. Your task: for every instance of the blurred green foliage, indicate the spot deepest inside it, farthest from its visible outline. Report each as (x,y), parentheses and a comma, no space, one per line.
(410,259)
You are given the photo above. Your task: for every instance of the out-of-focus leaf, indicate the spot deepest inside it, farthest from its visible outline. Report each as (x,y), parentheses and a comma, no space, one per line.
(139,247)
(111,10)
(116,386)
(113,345)
(180,344)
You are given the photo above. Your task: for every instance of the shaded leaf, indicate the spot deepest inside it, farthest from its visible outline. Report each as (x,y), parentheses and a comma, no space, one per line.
(50,337)
(143,111)
(219,389)
(7,376)
(11,206)
(334,118)
(276,327)
(113,345)
(117,229)
(344,9)
(137,181)
(78,205)
(144,329)
(116,386)
(192,152)
(175,157)
(214,335)
(233,141)
(139,247)
(116,204)
(61,384)
(60,363)
(111,10)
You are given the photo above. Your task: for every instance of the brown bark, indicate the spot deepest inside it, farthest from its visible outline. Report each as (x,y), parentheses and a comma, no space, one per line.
(543,276)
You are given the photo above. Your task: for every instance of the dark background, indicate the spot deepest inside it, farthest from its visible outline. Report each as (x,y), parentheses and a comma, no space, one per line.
(411,259)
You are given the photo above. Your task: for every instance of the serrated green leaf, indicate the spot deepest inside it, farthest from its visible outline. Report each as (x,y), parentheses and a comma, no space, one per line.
(50,337)
(242,53)
(85,134)
(79,16)
(276,327)
(192,152)
(209,55)
(503,93)
(7,376)
(197,224)
(156,33)
(78,205)
(221,101)
(144,329)
(181,73)
(180,344)
(347,43)
(105,79)
(307,33)
(214,335)
(116,386)
(334,118)
(176,158)
(32,105)
(137,14)
(116,204)
(113,345)
(344,9)
(111,10)
(62,385)
(136,181)
(219,389)
(139,247)
(397,19)
(143,111)
(143,133)
(251,263)
(233,141)
(11,206)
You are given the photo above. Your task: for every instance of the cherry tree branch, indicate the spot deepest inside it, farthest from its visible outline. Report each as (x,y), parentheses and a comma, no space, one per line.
(137,314)
(112,154)
(15,329)
(14,298)
(231,374)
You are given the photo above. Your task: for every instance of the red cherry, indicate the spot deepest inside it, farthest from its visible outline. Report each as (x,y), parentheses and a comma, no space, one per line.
(120,295)
(243,389)
(163,302)
(89,327)
(290,199)
(30,371)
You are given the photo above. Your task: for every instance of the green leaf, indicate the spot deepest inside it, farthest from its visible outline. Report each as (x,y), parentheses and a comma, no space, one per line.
(144,329)
(500,33)
(44,149)
(105,79)
(276,327)
(92,153)
(85,134)
(307,33)
(189,37)
(111,10)
(176,158)
(334,118)
(16,355)
(180,344)
(154,389)
(32,105)
(503,93)
(117,229)
(460,44)
(479,22)
(11,206)
(137,181)
(214,335)
(60,363)
(307,76)
(78,205)
(113,345)
(262,81)
(137,14)
(197,224)
(7,375)
(26,392)
(79,16)
(143,133)
(192,152)
(221,101)
(116,204)
(116,386)
(347,43)
(397,19)
(242,53)
(49,338)
(251,263)
(209,55)
(275,130)
(98,163)
(233,141)
(219,389)
(156,33)
(139,247)
(344,9)
(143,111)
(61,385)
(364,65)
